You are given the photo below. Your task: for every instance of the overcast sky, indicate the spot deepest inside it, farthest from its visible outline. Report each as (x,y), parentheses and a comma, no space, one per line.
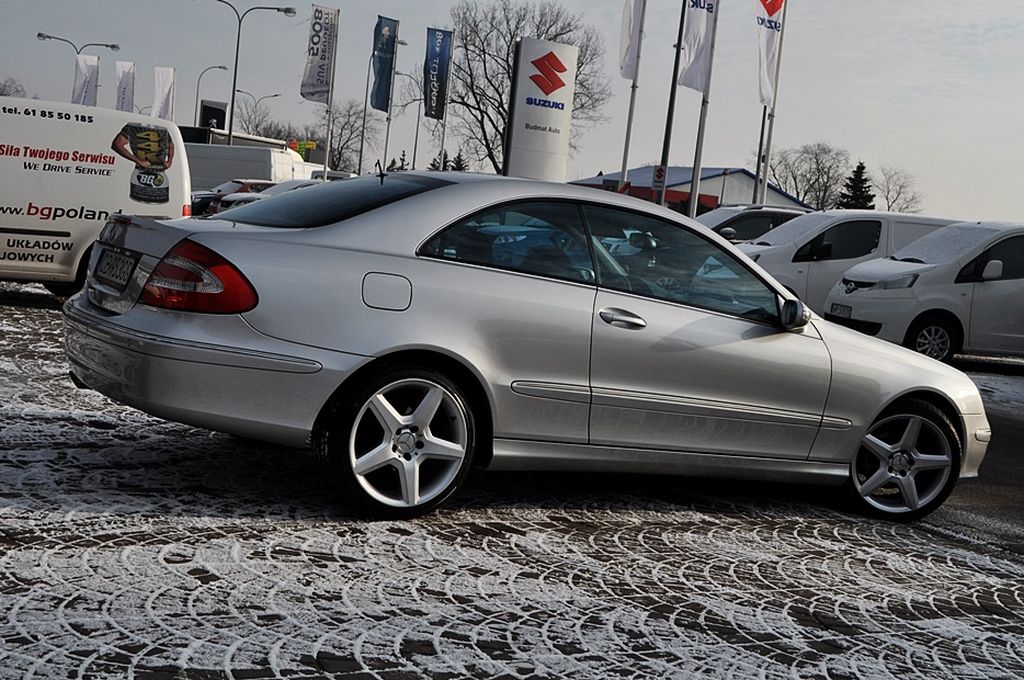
(936,88)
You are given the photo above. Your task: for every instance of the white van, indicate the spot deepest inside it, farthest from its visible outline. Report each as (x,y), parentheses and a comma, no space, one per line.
(64,169)
(957,289)
(809,254)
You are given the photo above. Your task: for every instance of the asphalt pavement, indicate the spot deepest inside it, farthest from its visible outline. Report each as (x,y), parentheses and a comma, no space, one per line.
(134,547)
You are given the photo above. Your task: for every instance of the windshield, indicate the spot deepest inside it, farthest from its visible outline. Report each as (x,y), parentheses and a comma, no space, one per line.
(333,201)
(793,229)
(946,244)
(715,217)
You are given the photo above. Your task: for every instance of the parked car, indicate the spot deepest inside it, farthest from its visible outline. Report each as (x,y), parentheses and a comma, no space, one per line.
(234,186)
(413,326)
(958,289)
(237,199)
(740,223)
(809,254)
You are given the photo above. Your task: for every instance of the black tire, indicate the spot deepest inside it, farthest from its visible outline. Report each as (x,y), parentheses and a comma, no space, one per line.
(934,337)
(938,437)
(349,427)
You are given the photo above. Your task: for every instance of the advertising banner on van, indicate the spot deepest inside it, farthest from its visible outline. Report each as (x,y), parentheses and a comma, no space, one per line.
(768,15)
(163,93)
(320,53)
(125,74)
(436,67)
(87,79)
(540,123)
(385,39)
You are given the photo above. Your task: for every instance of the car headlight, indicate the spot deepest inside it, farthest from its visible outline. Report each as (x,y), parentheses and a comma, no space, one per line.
(905,281)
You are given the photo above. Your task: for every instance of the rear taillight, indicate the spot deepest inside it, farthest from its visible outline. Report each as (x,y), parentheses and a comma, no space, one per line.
(193,278)
(186,210)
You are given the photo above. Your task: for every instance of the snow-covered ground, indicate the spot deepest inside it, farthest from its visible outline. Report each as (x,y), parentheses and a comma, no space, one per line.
(132,547)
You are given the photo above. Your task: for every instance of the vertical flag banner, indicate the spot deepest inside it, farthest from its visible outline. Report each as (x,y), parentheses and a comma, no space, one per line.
(385,37)
(163,93)
(768,14)
(87,77)
(320,51)
(697,39)
(540,111)
(125,75)
(629,42)
(436,67)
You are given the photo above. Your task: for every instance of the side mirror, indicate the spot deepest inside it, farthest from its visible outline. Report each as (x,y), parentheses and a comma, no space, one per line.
(728,233)
(794,314)
(642,241)
(993,271)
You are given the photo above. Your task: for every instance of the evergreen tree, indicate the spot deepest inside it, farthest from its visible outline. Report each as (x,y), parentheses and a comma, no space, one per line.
(459,163)
(434,165)
(402,165)
(857,190)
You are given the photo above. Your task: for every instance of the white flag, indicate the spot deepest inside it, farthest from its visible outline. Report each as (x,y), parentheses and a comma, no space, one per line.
(87,77)
(320,52)
(163,93)
(125,74)
(698,36)
(768,14)
(629,58)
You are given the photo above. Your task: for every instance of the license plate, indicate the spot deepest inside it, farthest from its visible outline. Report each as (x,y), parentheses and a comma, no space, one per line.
(842,310)
(114,268)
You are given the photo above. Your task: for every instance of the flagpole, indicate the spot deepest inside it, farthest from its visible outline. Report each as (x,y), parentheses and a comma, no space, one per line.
(698,154)
(667,144)
(330,101)
(632,96)
(447,98)
(775,101)
(391,97)
(760,155)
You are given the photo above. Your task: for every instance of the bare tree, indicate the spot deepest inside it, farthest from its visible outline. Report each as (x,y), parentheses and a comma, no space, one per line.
(253,117)
(348,124)
(12,87)
(486,34)
(813,173)
(896,188)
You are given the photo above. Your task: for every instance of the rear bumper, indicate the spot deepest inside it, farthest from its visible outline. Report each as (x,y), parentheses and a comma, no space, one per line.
(259,387)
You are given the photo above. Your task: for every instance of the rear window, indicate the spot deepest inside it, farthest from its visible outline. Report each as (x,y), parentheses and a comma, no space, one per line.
(332,202)
(227,188)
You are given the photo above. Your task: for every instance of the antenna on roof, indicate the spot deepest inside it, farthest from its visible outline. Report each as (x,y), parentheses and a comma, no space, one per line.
(380,172)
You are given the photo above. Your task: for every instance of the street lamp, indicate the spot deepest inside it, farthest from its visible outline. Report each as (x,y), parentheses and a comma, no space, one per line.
(114,47)
(419,119)
(255,101)
(198,81)
(287,11)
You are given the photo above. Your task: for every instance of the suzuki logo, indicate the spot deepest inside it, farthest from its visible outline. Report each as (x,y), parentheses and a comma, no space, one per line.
(772,6)
(549,66)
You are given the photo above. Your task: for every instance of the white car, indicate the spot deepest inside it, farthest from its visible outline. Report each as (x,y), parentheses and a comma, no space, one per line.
(809,254)
(959,289)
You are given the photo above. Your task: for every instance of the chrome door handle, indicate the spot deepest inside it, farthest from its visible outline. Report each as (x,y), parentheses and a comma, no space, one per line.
(621,318)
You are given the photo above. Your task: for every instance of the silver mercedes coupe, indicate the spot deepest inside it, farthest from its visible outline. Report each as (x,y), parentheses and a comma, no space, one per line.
(412,326)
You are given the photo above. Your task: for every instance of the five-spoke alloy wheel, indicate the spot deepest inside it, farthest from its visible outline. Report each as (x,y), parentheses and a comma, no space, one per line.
(908,462)
(402,444)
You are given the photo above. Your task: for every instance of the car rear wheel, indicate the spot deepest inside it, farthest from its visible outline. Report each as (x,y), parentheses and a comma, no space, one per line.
(401,445)
(933,337)
(907,463)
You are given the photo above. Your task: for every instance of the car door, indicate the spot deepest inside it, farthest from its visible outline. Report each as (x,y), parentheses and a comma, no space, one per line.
(835,250)
(526,282)
(687,353)
(997,324)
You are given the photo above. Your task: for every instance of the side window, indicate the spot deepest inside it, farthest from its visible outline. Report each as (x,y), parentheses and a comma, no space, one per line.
(845,241)
(750,226)
(1011,253)
(658,259)
(544,238)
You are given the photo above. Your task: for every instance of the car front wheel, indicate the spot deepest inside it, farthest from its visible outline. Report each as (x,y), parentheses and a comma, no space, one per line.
(907,462)
(401,444)
(933,337)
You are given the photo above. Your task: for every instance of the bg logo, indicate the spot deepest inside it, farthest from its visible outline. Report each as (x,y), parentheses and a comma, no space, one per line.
(548,67)
(772,7)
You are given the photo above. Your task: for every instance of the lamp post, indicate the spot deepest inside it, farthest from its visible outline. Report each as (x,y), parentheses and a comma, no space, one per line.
(200,80)
(113,47)
(419,119)
(287,11)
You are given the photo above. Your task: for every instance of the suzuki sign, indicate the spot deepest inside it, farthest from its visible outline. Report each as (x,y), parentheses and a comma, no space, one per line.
(540,120)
